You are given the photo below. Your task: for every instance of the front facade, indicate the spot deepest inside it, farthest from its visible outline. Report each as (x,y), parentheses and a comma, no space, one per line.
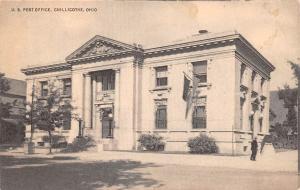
(216,84)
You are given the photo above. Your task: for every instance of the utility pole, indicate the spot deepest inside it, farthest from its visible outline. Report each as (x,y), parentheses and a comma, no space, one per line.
(31,112)
(29,146)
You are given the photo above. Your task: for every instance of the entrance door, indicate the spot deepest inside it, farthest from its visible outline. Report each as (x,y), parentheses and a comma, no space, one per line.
(107,123)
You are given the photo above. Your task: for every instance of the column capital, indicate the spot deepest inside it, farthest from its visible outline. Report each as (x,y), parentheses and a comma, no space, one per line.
(117,70)
(87,74)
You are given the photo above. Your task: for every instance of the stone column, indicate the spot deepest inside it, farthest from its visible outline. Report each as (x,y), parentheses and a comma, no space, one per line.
(87,101)
(94,94)
(77,101)
(117,98)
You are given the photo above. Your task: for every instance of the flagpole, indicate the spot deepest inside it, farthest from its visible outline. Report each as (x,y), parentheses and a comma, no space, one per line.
(187,76)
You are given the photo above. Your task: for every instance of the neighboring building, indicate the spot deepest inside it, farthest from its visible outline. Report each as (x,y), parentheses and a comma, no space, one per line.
(122,91)
(12,129)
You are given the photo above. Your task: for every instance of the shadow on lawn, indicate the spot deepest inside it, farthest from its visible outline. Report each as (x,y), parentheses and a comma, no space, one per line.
(56,173)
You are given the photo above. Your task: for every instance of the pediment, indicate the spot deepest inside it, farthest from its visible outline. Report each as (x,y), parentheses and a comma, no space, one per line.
(98,46)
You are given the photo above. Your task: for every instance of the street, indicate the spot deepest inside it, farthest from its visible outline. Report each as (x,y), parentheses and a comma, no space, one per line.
(96,171)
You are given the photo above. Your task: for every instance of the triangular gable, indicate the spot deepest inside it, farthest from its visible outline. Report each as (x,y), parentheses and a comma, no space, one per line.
(100,45)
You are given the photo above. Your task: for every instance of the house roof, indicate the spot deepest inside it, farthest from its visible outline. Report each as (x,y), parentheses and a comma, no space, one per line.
(17,87)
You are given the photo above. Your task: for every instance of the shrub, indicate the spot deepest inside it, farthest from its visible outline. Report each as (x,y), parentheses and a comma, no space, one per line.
(79,144)
(151,142)
(58,141)
(202,145)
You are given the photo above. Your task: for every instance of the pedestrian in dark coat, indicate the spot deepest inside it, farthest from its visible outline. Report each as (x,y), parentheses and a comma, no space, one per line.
(254,147)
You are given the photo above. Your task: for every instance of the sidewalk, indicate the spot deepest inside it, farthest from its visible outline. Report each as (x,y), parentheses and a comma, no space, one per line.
(280,162)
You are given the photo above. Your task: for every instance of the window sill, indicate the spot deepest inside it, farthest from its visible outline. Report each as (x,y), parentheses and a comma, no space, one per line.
(263,133)
(66,95)
(200,85)
(161,88)
(160,130)
(198,129)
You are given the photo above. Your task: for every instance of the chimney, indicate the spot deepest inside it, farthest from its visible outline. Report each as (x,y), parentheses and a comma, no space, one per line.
(202,31)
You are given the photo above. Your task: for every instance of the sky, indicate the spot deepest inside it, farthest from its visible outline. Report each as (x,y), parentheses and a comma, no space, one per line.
(39,38)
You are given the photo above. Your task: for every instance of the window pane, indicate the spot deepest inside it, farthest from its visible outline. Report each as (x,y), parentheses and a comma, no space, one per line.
(200,67)
(161,117)
(200,72)
(199,117)
(108,80)
(161,76)
(161,81)
(161,69)
(201,78)
(104,83)
(112,81)
(67,86)
(44,88)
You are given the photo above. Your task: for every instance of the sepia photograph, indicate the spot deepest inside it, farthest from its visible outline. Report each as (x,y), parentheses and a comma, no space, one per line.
(149,95)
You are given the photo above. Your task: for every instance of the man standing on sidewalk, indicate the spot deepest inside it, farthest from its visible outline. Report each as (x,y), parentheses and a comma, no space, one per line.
(253,149)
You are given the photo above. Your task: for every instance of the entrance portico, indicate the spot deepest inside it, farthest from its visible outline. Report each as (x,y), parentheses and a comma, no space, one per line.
(101,97)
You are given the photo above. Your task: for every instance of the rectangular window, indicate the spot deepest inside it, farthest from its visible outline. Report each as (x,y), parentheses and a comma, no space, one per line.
(44,88)
(251,118)
(66,120)
(200,72)
(108,80)
(253,79)
(199,117)
(262,82)
(161,76)
(161,117)
(243,68)
(241,112)
(260,124)
(67,86)
(67,123)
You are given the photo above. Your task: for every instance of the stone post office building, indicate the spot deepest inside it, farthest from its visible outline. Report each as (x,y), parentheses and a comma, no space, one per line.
(212,83)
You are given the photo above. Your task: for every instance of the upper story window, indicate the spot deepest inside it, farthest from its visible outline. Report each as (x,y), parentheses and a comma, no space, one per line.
(253,79)
(161,117)
(243,68)
(200,72)
(67,86)
(161,76)
(262,82)
(44,88)
(108,80)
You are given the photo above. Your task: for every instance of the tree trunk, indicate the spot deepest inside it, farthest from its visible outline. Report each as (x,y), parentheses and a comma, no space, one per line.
(50,142)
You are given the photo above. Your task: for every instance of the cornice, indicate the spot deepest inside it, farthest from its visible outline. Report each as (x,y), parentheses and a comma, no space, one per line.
(188,46)
(257,68)
(244,51)
(259,55)
(231,38)
(46,68)
(102,57)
